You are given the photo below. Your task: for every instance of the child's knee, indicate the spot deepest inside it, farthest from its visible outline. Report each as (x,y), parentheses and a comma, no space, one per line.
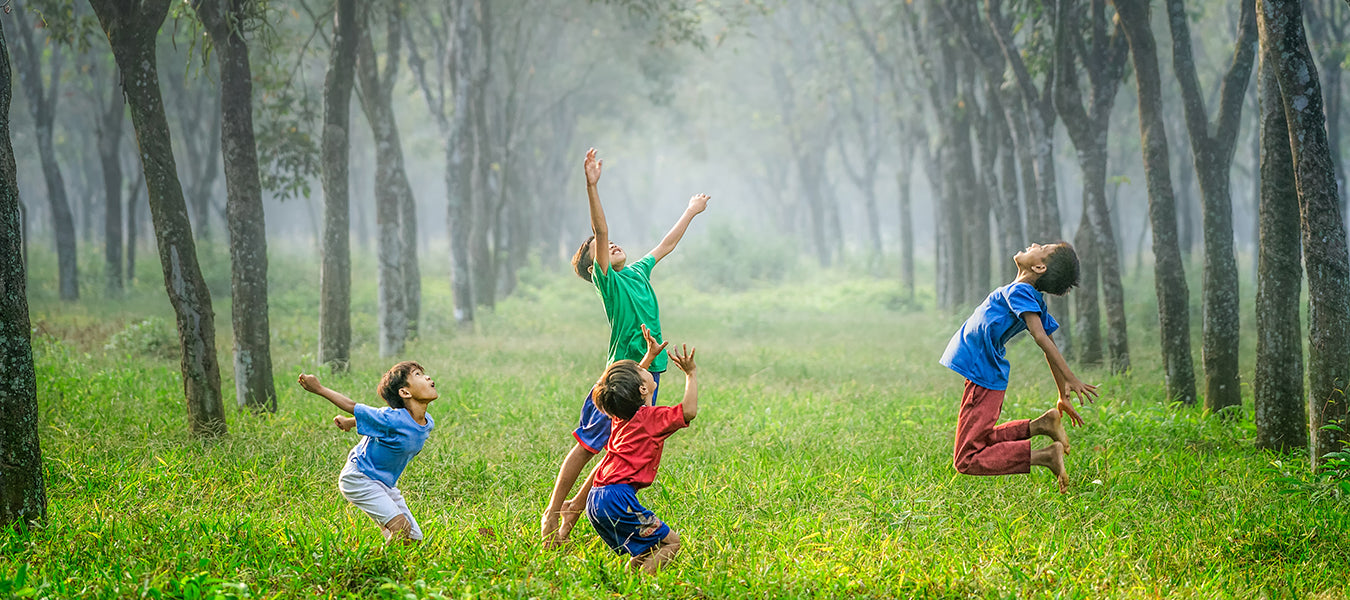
(964,463)
(671,541)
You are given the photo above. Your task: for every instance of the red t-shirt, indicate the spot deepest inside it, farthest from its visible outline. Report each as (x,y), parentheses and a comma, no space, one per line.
(634,448)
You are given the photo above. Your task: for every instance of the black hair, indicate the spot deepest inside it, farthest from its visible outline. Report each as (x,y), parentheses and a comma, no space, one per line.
(582,260)
(619,393)
(1061,270)
(395,379)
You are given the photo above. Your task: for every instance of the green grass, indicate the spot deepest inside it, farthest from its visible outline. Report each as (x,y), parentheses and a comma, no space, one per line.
(820,465)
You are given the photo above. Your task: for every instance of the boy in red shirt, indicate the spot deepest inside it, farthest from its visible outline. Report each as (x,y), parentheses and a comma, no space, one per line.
(632,456)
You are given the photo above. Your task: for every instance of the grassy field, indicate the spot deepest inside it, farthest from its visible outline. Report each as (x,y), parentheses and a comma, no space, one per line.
(819,466)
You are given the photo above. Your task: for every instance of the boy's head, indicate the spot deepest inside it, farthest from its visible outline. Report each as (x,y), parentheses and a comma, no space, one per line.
(585,258)
(623,389)
(1056,266)
(406,381)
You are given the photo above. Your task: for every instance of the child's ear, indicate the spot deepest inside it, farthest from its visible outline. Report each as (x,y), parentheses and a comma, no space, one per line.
(1040,268)
(404,392)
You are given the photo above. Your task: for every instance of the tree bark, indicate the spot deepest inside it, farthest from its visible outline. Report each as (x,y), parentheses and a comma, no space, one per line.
(1103,57)
(391,185)
(1213,145)
(254,385)
(459,172)
(1281,416)
(902,182)
(1325,257)
(42,98)
(109,132)
(335,278)
(23,497)
(131,34)
(1169,274)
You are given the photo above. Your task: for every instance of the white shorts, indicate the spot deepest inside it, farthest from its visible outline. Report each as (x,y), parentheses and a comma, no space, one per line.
(378,500)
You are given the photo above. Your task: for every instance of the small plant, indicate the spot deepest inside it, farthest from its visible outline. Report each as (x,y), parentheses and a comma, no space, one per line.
(151,338)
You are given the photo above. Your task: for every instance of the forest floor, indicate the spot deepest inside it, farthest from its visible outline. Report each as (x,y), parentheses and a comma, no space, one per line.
(819,465)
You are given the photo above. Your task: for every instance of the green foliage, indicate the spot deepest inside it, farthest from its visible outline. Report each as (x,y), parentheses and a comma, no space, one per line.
(819,466)
(153,338)
(729,260)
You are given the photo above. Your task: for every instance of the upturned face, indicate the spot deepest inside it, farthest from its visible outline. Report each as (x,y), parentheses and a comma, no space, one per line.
(420,387)
(617,259)
(1034,256)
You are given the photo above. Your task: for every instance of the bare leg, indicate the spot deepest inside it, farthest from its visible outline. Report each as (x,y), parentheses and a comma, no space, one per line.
(398,529)
(572,509)
(1051,424)
(571,468)
(663,553)
(1052,457)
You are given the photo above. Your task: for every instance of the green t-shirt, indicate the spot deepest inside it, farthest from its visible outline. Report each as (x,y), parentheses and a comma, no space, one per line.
(629,304)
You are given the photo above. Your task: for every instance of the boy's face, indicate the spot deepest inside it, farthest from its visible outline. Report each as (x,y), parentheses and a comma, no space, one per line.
(1033,258)
(420,387)
(617,258)
(648,387)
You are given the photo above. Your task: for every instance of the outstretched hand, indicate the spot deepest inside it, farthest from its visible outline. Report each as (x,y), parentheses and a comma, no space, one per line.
(592,167)
(1066,409)
(309,382)
(698,203)
(653,349)
(684,361)
(1084,392)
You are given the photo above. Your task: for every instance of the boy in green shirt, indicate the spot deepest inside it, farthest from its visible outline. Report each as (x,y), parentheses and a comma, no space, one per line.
(632,310)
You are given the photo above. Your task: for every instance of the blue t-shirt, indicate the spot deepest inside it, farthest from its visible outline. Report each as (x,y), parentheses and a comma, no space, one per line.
(390,439)
(976,351)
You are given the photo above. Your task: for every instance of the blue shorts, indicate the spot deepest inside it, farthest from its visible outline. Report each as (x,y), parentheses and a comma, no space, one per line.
(593,430)
(623,523)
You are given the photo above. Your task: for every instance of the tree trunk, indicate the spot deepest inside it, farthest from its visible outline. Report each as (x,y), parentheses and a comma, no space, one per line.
(132,37)
(1169,275)
(254,386)
(1324,245)
(902,182)
(42,98)
(23,498)
(391,185)
(133,225)
(335,278)
(109,133)
(1087,306)
(1213,145)
(459,171)
(1281,417)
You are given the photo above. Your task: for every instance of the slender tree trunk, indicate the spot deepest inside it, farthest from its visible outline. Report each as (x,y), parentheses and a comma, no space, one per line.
(1170,277)
(390,180)
(1281,416)
(42,99)
(132,36)
(459,172)
(335,278)
(133,224)
(1325,256)
(1213,145)
(902,183)
(254,386)
(23,498)
(1087,305)
(109,133)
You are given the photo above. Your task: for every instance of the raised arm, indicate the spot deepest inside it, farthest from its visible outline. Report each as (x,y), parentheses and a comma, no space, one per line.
(312,385)
(697,204)
(1065,381)
(653,349)
(686,363)
(600,256)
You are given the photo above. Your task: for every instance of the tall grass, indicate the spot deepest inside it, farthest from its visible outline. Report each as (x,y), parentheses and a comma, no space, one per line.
(820,464)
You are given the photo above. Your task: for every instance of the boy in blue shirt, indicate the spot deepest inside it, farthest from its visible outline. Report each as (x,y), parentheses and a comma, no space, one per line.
(976,351)
(390,438)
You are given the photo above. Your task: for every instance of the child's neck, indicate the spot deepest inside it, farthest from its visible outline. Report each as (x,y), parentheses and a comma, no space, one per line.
(1027,276)
(418,410)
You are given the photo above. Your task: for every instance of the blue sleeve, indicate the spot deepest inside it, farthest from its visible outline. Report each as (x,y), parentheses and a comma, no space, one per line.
(1022,299)
(373,422)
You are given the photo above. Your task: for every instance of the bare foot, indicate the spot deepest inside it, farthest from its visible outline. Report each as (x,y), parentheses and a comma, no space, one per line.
(1054,460)
(548,529)
(1051,424)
